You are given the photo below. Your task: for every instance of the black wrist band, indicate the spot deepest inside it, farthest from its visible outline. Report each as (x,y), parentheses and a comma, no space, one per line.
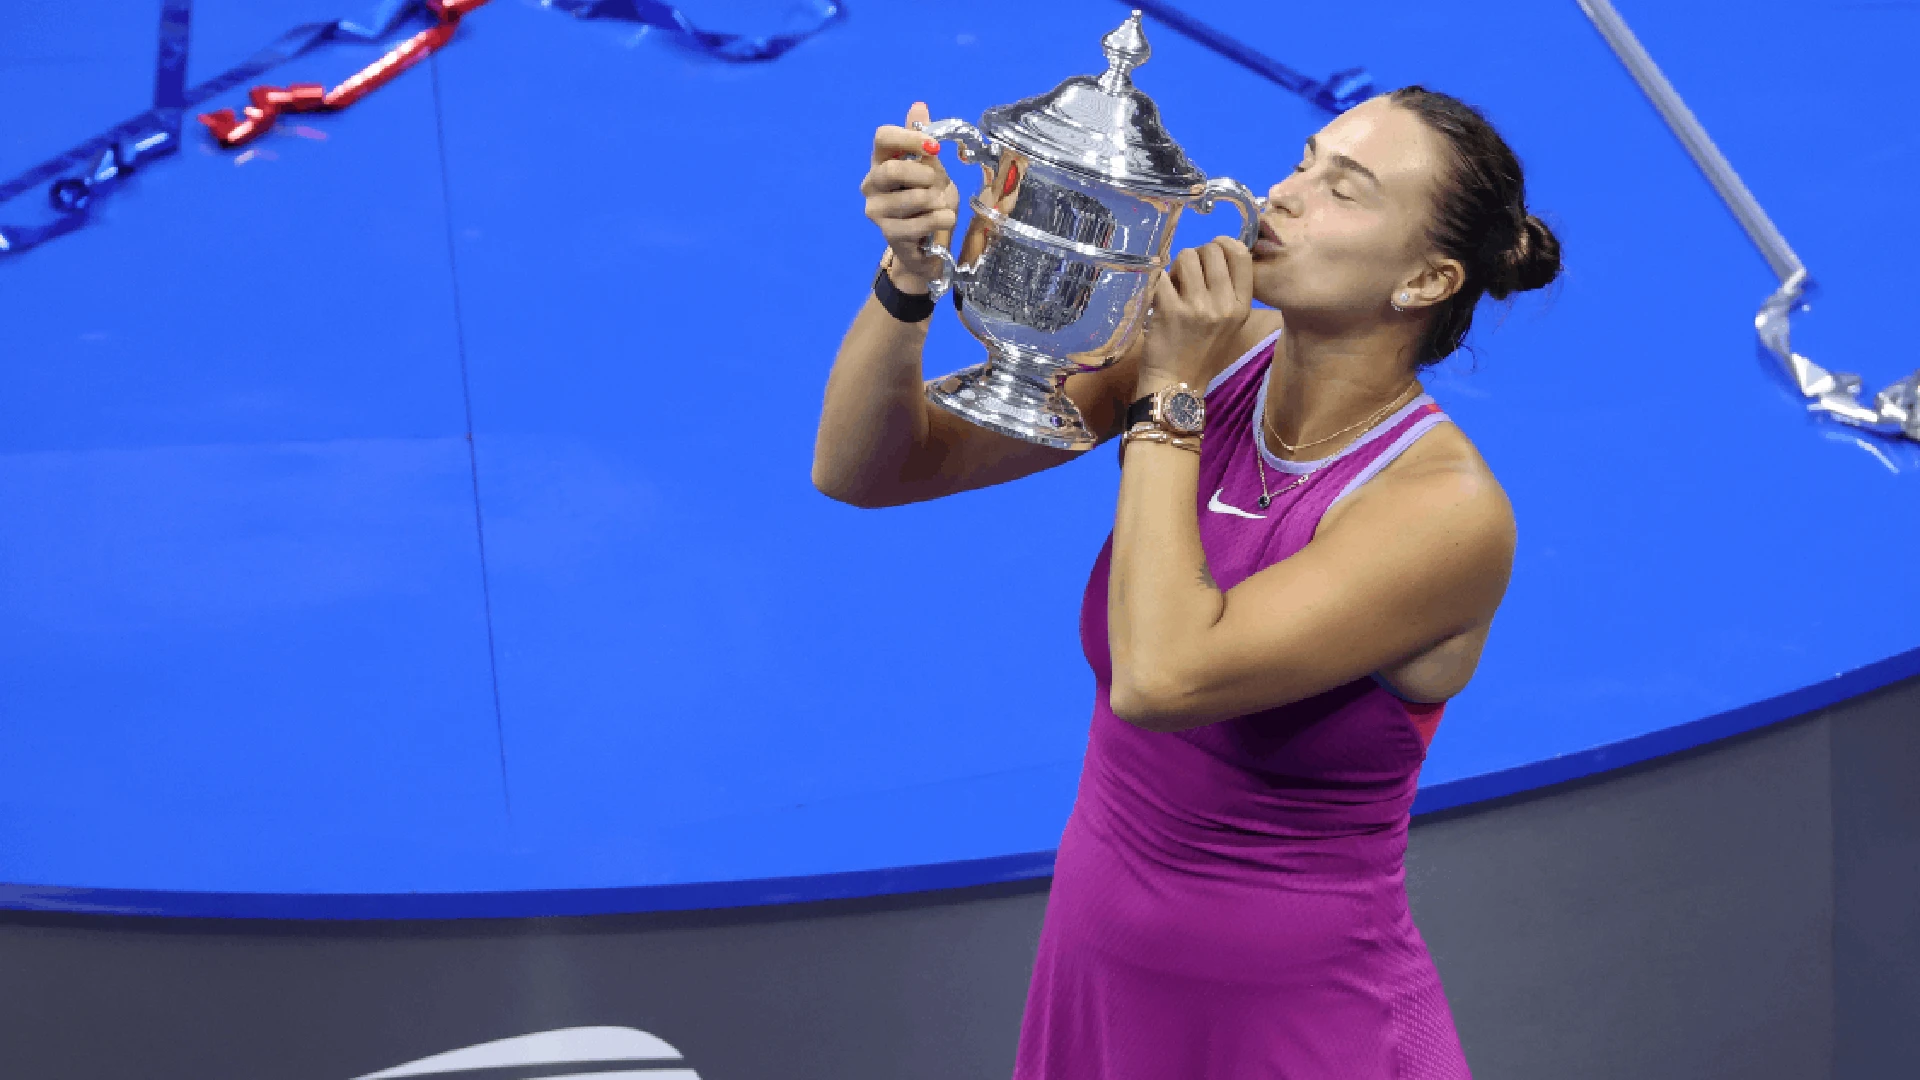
(1140,411)
(907,307)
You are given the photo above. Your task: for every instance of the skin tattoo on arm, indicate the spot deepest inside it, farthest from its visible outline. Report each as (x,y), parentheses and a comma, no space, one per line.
(1206,578)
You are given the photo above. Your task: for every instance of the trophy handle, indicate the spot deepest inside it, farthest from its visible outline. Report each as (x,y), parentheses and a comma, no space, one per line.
(973,150)
(950,271)
(972,145)
(1241,196)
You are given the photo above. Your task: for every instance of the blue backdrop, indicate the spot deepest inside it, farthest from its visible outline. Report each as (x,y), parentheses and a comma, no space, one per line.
(357,556)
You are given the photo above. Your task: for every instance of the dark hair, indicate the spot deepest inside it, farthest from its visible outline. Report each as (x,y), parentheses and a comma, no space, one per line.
(1479,217)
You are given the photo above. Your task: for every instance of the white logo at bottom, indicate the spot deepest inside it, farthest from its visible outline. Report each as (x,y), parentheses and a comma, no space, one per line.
(562,1048)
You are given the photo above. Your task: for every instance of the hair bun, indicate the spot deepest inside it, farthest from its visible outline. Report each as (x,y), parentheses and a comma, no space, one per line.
(1532,263)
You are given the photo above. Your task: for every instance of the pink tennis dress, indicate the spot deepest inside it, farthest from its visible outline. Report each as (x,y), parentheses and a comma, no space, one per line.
(1229,902)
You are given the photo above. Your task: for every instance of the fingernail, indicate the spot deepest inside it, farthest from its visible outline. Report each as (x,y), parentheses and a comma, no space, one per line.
(1013,179)
(930,146)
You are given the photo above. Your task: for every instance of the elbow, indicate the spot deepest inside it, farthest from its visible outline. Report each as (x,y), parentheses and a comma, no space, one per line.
(841,491)
(1147,703)
(833,491)
(864,493)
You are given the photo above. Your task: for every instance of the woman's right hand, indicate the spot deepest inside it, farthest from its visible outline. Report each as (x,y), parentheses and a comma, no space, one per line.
(910,200)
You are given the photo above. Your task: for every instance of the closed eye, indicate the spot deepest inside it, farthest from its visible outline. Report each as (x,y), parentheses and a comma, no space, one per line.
(1302,167)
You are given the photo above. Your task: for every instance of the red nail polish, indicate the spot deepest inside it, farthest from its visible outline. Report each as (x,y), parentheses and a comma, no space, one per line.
(930,146)
(1012,180)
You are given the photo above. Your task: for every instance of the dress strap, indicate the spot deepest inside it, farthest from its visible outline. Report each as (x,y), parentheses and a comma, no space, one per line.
(1426,416)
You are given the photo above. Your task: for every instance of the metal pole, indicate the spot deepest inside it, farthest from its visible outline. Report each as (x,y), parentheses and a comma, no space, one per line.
(1694,137)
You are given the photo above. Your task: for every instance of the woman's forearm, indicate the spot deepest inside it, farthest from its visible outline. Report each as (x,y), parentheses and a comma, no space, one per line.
(874,416)
(1161,596)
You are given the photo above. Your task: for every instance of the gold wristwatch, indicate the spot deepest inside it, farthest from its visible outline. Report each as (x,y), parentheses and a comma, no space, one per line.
(1174,408)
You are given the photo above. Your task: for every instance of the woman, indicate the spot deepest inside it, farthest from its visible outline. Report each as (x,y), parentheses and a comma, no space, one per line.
(1278,615)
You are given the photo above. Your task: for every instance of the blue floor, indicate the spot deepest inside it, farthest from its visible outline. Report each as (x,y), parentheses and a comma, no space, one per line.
(271,626)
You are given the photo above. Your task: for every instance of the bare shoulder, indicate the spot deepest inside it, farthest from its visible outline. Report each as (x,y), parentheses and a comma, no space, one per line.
(1436,523)
(1441,476)
(1443,461)
(1440,506)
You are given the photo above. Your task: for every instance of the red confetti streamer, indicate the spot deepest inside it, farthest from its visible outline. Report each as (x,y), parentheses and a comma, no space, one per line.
(268,102)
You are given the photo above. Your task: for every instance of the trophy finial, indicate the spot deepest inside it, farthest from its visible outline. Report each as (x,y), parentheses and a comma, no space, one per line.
(1126,48)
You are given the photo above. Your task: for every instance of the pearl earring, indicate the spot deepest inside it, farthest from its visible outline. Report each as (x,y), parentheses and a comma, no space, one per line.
(1399,305)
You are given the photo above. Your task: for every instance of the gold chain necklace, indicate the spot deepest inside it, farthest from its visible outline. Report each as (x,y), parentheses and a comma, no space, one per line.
(1259,459)
(1382,411)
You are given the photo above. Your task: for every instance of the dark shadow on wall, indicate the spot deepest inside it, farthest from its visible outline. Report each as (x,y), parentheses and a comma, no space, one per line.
(1750,908)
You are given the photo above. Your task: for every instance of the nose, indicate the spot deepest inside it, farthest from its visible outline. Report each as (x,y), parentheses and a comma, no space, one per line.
(1281,197)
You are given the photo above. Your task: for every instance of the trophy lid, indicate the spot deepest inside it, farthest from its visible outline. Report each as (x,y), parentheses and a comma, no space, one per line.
(1101,125)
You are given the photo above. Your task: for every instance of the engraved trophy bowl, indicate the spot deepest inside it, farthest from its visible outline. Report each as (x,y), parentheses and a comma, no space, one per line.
(1081,190)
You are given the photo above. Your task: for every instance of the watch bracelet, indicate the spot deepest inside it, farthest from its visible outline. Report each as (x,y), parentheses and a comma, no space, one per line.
(1150,432)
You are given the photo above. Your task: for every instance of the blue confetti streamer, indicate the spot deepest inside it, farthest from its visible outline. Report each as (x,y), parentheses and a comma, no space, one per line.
(105,161)
(738,48)
(97,166)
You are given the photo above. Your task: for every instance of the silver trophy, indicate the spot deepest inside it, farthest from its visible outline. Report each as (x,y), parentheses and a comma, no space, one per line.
(1082,187)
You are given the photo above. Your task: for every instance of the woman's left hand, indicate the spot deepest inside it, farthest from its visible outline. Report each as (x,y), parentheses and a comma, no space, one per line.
(1198,304)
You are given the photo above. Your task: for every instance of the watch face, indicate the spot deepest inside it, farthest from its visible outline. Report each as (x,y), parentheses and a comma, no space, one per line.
(1185,412)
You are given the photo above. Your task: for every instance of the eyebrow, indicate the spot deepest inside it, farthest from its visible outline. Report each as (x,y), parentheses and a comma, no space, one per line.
(1342,161)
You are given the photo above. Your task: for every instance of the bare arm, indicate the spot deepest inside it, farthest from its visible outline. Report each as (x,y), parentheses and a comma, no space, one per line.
(880,442)
(1422,556)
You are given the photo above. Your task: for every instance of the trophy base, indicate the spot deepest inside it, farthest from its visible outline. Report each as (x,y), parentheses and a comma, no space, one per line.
(1012,399)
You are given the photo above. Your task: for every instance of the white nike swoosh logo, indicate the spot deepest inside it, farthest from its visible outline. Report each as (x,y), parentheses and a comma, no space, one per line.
(1214,504)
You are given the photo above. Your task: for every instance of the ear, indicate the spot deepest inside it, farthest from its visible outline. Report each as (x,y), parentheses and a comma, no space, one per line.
(1433,285)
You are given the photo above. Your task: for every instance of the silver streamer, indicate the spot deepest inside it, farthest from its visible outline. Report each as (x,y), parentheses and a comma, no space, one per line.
(1895,410)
